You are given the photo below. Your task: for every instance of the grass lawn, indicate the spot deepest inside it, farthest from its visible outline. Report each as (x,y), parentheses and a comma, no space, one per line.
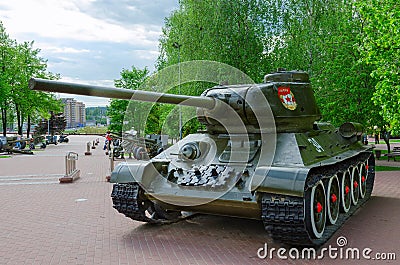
(383,142)
(386,168)
(4,156)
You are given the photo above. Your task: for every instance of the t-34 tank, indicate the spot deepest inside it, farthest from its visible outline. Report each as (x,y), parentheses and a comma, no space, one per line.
(263,156)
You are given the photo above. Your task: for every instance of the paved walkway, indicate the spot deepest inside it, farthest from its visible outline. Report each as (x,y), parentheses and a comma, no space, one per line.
(383,161)
(44,222)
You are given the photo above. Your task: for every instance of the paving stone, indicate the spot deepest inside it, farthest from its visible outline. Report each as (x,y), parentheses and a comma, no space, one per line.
(44,222)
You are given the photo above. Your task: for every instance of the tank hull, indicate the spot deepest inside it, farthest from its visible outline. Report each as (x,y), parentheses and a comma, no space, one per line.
(303,164)
(296,154)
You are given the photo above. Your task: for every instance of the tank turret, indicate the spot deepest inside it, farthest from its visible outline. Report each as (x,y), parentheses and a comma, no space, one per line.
(288,94)
(263,156)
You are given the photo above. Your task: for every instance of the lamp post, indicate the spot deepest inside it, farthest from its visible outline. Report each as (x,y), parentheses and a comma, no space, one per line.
(176,45)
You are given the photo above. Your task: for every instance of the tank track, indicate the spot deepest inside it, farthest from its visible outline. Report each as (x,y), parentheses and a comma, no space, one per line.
(129,199)
(283,216)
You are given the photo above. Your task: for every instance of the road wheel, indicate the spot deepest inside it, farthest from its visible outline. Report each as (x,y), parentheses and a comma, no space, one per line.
(355,189)
(315,210)
(345,192)
(363,180)
(333,195)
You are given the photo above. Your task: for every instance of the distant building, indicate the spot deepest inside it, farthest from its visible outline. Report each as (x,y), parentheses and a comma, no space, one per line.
(74,113)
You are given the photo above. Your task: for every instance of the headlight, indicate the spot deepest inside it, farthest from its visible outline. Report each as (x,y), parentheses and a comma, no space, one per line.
(190,151)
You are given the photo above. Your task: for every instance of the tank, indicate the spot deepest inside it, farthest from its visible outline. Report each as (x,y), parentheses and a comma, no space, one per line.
(269,160)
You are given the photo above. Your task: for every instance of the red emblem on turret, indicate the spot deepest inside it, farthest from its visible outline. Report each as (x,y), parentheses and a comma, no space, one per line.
(287,98)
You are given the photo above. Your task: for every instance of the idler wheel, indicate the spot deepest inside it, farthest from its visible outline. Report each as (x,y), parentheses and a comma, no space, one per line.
(363,180)
(154,212)
(332,198)
(134,151)
(146,207)
(166,214)
(355,187)
(315,203)
(345,192)
(140,153)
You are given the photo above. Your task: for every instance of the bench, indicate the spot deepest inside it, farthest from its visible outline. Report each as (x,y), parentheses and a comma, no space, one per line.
(395,152)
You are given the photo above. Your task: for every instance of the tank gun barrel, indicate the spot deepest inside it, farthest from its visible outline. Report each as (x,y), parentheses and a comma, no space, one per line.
(110,92)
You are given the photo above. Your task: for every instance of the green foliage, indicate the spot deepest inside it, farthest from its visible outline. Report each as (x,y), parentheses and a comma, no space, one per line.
(169,114)
(381,49)
(92,130)
(230,32)
(153,120)
(120,115)
(97,114)
(226,31)
(325,38)
(192,126)
(116,112)
(18,63)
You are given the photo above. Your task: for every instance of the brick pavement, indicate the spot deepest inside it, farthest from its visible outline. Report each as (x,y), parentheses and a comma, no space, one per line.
(43,222)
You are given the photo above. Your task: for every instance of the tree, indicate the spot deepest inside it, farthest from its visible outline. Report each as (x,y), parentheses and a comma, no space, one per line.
(226,31)
(27,64)
(319,36)
(230,32)
(6,59)
(43,104)
(116,112)
(344,87)
(323,37)
(97,114)
(121,111)
(18,63)
(381,50)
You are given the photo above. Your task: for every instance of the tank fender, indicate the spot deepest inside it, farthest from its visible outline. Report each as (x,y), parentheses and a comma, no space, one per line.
(129,172)
(286,181)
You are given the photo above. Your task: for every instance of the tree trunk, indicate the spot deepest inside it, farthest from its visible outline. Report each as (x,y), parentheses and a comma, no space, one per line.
(19,123)
(28,128)
(386,138)
(4,120)
(20,129)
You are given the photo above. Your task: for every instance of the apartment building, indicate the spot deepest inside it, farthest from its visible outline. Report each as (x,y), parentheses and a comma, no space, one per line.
(74,113)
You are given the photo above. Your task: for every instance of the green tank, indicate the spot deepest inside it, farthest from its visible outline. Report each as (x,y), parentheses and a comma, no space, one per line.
(263,156)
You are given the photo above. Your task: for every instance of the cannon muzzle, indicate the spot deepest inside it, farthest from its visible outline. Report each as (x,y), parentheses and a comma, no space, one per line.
(110,92)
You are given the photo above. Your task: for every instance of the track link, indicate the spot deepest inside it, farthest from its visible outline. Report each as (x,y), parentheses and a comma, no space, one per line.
(283,216)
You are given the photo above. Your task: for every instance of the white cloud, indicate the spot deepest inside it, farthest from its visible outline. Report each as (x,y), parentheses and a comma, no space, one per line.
(146,54)
(106,82)
(88,100)
(86,40)
(63,19)
(68,50)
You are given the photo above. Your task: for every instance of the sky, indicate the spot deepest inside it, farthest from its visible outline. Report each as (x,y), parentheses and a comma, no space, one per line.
(89,41)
